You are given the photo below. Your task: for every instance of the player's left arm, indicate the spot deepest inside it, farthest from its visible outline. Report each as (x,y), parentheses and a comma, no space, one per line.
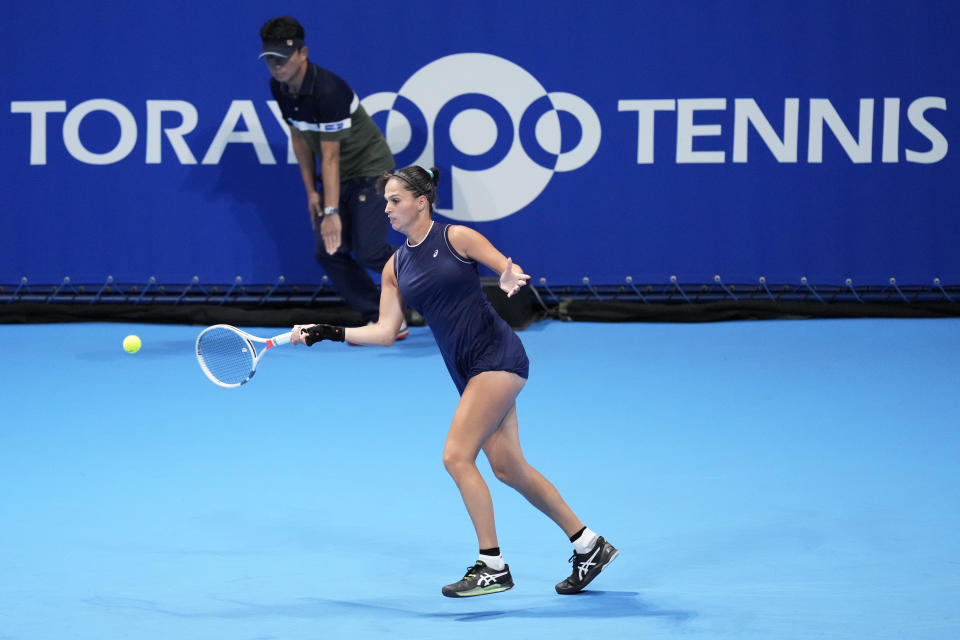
(474,246)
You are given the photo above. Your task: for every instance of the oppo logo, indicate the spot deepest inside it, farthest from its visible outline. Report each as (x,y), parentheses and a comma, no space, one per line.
(491,127)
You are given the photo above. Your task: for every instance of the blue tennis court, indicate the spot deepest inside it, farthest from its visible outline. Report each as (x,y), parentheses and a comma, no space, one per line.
(781,479)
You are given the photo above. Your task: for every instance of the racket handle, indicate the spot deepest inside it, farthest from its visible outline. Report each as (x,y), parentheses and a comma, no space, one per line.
(283,338)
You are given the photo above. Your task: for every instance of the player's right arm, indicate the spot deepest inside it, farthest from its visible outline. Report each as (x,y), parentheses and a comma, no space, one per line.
(384,332)
(308,166)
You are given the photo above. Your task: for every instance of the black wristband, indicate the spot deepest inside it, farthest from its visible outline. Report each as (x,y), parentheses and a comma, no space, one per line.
(317,332)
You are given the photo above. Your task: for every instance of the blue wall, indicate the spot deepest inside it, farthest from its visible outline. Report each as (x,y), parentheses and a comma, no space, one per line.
(773,138)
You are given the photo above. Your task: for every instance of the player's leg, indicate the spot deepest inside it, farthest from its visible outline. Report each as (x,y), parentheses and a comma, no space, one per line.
(505,455)
(484,402)
(591,552)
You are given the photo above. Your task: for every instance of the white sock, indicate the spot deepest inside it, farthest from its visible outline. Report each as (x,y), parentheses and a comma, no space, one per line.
(494,562)
(585,542)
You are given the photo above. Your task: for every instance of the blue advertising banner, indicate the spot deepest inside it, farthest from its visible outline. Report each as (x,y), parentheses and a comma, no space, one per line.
(647,139)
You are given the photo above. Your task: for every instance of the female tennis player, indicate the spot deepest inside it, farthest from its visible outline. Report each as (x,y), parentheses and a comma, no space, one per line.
(436,273)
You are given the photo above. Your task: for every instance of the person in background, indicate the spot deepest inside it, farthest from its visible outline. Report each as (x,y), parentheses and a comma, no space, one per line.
(326,120)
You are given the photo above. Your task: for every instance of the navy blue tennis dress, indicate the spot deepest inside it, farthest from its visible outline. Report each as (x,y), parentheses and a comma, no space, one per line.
(445,289)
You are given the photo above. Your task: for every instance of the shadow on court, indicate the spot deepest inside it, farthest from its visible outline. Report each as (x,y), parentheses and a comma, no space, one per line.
(589,604)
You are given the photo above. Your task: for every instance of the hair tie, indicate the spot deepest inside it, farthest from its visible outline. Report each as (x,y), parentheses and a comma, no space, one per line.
(430,173)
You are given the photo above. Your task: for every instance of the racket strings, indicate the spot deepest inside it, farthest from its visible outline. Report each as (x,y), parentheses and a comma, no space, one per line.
(226,355)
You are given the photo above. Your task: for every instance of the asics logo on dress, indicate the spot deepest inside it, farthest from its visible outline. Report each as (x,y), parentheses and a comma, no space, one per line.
(486,579)
(584,567)
(435,252)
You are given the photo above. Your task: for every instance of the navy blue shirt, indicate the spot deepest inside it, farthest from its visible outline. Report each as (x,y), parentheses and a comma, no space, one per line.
(444,287)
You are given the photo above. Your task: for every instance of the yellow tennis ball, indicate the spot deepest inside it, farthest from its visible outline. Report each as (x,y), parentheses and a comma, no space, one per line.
(131,344)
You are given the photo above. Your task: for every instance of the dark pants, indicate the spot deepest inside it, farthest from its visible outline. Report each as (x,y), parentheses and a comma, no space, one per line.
(363,245)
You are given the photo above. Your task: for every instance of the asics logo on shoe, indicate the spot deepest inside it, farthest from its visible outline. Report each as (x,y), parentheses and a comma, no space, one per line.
(486,579)
(584,566)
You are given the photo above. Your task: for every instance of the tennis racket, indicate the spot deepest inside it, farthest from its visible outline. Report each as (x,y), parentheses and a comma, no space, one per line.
(228,356)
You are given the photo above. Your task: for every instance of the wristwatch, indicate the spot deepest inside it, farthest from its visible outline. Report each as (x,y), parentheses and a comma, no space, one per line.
(329,211)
